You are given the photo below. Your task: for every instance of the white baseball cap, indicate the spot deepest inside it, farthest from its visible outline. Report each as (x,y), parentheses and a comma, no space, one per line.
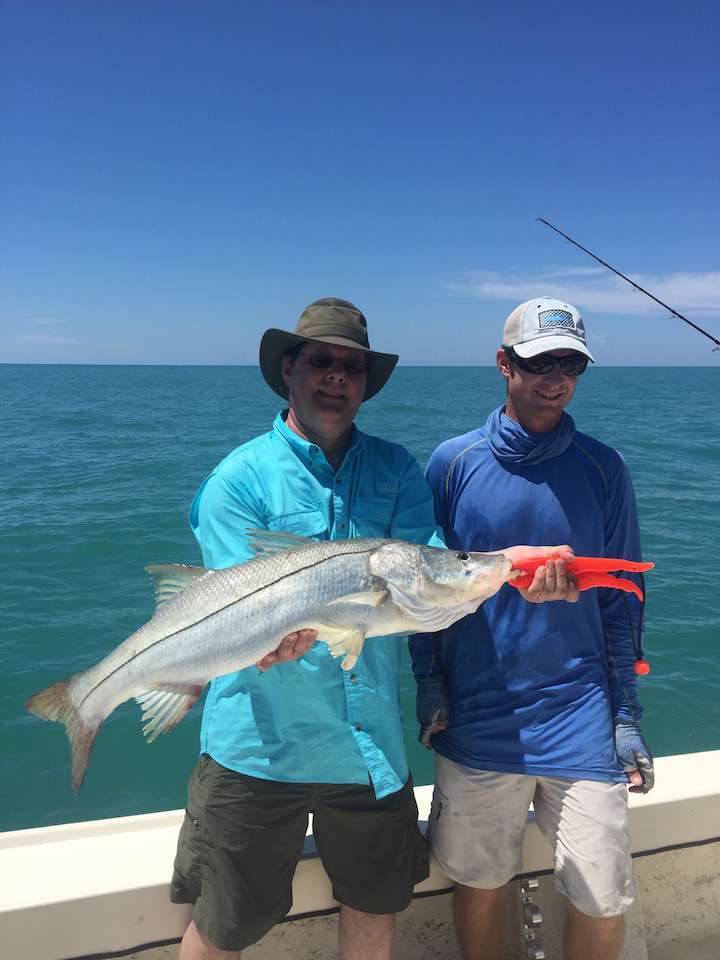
(544,324)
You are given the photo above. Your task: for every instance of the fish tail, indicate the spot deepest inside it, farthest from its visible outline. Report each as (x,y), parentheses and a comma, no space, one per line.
(56,703)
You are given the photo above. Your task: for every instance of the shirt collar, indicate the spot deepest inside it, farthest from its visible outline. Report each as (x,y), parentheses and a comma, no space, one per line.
(309,453)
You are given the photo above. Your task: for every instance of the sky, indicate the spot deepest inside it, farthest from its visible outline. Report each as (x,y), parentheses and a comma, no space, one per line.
(177,177)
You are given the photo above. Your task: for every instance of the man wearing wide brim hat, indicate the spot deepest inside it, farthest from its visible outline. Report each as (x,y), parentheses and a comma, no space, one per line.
(335,322)
(306,735)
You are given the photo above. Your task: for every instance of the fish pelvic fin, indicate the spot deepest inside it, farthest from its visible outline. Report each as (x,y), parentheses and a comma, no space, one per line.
(56,703)
(164,708)
(172,578)
(343,642)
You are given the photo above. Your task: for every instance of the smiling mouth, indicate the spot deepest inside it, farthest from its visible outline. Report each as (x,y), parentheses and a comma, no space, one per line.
(331,396)
(548,396)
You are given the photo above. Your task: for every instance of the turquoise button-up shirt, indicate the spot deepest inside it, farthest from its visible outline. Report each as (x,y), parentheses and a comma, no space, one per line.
(309,721)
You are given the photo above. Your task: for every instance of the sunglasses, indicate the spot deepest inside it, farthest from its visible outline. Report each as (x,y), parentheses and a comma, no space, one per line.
(571,366)
(323,361)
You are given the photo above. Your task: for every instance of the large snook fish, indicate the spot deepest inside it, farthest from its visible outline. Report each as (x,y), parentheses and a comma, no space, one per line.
(211,622)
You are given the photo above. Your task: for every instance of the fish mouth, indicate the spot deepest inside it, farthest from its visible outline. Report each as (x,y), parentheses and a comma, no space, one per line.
(507,570)
(498,574)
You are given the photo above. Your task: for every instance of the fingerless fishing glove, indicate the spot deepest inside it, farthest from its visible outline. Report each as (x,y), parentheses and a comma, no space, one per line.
(633,753)
(432,707)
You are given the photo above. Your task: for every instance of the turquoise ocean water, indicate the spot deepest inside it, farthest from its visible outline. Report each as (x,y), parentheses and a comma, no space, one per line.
(98,467)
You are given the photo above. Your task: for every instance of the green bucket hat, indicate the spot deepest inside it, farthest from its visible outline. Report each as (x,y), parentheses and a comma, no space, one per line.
(329,320)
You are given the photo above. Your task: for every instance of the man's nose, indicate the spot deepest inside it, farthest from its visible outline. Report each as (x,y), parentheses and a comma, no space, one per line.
(555,375)
(336,370)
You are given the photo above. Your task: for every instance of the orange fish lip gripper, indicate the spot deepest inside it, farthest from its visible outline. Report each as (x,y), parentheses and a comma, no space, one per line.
(588,572)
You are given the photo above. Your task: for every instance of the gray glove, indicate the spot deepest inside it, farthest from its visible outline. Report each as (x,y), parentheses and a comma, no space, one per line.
(432,707)
(633,753)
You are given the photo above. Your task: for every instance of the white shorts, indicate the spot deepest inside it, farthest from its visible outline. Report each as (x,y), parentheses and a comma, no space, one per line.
(478,820)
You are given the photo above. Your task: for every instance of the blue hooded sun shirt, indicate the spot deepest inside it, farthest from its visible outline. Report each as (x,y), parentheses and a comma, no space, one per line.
(535,688)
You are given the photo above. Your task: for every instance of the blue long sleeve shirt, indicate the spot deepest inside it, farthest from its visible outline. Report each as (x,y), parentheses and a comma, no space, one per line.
(535,688)
(309,721)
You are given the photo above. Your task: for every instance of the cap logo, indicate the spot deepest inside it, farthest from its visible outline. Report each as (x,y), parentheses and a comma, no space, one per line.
(555,318)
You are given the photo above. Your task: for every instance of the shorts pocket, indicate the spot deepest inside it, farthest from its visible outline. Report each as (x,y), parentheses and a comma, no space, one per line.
(187,872)
(438,805)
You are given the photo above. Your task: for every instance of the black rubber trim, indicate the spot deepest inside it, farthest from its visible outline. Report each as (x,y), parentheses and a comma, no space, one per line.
(128,951)
(687,845)
(676,846)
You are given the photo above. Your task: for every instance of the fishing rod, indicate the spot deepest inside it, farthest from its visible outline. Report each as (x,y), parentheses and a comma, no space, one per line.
(632,283)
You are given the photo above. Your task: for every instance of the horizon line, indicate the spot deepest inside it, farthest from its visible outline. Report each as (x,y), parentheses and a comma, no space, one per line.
(417,363)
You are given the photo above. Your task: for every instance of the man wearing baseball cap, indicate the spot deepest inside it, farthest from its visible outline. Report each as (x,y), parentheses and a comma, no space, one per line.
(307,737)
(535,703)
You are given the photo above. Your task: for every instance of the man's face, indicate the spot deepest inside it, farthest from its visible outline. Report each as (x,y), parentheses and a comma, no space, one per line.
(326,385)
(537,400)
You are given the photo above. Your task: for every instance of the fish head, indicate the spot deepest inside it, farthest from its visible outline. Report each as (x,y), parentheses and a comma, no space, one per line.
(454,576)
(422,578)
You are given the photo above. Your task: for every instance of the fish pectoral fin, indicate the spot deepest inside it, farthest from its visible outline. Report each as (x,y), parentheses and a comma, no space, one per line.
(371,598)
(343,640)
(172,578)
(164,708)
(264,542)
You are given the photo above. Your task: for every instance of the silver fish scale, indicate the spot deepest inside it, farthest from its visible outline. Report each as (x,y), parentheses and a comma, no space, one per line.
(227,620)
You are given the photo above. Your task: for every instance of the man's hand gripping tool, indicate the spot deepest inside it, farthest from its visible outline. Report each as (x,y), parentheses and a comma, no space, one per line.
(588,572)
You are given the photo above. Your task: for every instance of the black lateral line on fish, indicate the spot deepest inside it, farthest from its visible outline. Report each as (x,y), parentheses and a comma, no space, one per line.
(348,553)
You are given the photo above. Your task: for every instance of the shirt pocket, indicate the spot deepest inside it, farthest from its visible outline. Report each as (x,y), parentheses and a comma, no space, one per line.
(305,523)
(372,516)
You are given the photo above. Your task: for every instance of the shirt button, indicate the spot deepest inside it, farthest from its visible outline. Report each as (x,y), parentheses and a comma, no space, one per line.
(338,479)
(353,678)
(358,726)
(341,526)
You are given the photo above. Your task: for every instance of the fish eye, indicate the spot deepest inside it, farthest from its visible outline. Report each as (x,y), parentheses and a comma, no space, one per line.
(463,556)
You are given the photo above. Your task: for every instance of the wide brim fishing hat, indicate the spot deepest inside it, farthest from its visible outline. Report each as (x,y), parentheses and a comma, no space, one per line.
(544,324)
(329,320)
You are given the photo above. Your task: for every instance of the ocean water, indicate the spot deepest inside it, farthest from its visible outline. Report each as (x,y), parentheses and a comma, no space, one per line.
(99,464)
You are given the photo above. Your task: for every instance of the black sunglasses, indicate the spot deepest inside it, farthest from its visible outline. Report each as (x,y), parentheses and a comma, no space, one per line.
(323,361)
(571,366)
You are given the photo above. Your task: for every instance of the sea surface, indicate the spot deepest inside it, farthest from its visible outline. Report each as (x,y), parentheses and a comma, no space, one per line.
(98,465)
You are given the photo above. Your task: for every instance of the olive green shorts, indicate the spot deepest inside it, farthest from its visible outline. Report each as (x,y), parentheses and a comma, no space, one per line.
(242,838)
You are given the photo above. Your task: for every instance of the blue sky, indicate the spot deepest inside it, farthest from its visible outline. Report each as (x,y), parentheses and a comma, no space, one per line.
(177,177)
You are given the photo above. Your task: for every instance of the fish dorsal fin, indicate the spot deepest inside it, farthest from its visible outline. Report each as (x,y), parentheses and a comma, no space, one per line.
(172,578)
(163,709)
(264,542)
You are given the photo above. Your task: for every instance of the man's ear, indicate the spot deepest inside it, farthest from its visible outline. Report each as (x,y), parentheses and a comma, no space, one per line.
(503,363)
(286,369)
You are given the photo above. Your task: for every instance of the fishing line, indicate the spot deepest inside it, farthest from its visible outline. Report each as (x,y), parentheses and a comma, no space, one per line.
(632,283)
